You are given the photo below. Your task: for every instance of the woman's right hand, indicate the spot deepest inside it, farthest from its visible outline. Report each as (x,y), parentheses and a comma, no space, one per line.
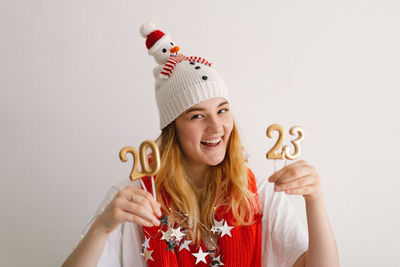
(133,205)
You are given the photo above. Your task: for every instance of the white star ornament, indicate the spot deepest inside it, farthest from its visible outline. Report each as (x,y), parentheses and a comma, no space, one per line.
(200,256)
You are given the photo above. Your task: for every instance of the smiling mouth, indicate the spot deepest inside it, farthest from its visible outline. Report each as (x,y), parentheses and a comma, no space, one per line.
(211,142)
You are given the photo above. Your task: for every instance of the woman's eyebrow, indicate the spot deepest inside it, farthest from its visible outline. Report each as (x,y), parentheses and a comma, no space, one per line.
(223,103)
(202,109)
(194,109)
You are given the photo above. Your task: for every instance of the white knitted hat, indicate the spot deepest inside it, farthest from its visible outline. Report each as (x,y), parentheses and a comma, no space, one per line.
(182,82)
(188,85)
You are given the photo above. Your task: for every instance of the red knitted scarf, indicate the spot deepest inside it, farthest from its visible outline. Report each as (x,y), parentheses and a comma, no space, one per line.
(242,249)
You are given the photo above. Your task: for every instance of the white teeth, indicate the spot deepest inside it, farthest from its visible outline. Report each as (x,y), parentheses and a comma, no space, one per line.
(214,141)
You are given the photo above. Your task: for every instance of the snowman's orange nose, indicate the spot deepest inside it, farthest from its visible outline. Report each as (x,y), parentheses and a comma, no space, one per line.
(174,49)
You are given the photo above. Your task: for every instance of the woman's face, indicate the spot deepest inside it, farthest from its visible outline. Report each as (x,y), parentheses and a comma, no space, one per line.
(203,132)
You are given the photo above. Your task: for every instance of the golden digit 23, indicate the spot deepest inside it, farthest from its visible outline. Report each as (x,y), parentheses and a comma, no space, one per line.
(273,152)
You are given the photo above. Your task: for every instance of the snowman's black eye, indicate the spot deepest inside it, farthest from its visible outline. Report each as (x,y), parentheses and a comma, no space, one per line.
(164,50)
(172,43)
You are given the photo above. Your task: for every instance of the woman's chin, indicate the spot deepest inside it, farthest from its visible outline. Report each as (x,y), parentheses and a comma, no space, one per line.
(214,155)
(215,161)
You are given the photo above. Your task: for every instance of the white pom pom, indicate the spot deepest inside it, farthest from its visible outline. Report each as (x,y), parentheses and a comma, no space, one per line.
(147,28)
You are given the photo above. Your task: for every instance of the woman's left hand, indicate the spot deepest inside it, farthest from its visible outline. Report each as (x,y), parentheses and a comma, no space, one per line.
(298,178)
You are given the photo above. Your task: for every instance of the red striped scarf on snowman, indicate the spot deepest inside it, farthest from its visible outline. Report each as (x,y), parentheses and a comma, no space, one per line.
(172,61)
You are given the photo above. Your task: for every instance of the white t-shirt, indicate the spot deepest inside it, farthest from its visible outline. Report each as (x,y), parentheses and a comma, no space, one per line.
(284,239)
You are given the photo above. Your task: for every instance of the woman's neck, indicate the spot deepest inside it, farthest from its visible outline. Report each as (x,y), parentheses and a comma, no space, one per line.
(196,173)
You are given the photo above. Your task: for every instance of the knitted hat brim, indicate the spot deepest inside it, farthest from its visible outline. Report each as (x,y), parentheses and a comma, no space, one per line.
(190,97)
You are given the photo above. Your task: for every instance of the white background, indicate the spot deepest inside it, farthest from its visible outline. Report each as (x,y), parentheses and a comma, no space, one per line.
(76,86)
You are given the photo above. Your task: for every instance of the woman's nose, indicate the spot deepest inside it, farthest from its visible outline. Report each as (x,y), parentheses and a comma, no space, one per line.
(214,123)
(174,49)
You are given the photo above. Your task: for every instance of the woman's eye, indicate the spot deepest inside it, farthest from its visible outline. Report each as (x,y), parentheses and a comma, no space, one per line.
(164,50)
(196,116)
(223,110)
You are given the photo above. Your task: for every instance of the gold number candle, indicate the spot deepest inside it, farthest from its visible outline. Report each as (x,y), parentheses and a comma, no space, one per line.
(273,152)
(146,170)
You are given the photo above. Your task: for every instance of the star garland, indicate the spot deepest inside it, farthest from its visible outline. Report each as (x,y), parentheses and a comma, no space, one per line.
(175,237)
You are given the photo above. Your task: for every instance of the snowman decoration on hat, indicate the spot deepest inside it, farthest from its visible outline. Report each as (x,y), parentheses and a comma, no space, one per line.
(159,44)
(164,51)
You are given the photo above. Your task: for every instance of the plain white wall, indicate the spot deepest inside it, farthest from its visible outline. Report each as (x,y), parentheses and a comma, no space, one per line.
(76,86)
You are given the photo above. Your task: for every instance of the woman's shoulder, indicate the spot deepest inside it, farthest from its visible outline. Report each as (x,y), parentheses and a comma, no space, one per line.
(265,190)
(251,180)
(257,182)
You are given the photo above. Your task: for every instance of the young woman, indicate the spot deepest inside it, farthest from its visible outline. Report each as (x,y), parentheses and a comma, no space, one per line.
(211,210)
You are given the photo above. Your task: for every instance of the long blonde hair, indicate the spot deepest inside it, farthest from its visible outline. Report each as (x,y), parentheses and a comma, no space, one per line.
(225,184)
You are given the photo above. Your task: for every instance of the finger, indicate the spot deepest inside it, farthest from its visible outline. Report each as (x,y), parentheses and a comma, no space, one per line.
(274,177)
(127,216)
(297,183)
(141,211)
(141,200)
(294,173)
(307,190)
(155,206)
(140,204)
